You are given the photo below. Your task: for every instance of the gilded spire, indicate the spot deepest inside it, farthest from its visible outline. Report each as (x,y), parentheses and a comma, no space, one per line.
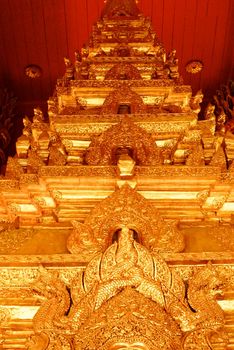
(116,8)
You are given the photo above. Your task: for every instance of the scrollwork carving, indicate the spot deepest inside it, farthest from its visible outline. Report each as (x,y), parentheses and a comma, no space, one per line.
(196,157)
(123,136)
(12,240)
(118,8)
(13,169)
(126,96)
(128,296)
(124,207)
(123,71)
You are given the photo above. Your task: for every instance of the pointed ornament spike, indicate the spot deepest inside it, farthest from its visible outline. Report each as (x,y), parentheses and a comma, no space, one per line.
(121,8)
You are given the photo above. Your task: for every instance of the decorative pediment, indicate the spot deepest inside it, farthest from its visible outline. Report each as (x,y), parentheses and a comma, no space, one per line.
(125,137)
(123,96)
(125,207)
(125,298)
(120,8)
(131,321)
(123,71)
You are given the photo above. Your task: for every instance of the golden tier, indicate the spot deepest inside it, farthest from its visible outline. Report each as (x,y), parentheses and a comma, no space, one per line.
(116,213)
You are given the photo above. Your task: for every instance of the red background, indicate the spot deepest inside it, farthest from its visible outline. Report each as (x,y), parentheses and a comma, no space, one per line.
(42,32)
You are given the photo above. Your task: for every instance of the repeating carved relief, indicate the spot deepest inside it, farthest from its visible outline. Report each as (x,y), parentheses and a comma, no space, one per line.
(12,239)
(125,96)
(125,137)
(224,107)
(123,71)
(128,296)
(114,291)
(124,207)
(118,8)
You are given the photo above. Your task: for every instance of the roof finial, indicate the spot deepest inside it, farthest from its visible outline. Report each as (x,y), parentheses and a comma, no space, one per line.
(123,8)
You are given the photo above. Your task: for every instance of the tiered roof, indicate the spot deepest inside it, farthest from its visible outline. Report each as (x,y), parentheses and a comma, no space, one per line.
(120,117)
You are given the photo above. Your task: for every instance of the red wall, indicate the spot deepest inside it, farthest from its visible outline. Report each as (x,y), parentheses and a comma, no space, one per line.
(44,31)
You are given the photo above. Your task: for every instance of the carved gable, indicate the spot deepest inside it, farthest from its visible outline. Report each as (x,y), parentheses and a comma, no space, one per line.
(123,71)
(126,297)
(124,95)
(124,207)
(123,137)
(116,203)
(121,8)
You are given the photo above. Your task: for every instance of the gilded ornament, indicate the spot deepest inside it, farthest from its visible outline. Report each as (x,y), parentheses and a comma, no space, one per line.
(27,179)
(194,66)
(27,131)
(126,165)
(34,162)
(69,74)
(33,71)
(57,195)
(57,153)
(158,304)
(202,196)
(13,169)
(217,202)
(173,126)
(5,316)
(209,112)
(224,235)
(196,155)
(14,208)
(8,184)
(124,137)
(123,71)
(180,171)
(129,280)
(131,83)
(219,159)
(12,239)
(15,280)
(117,8)
(37,342)
(123,96)
(91,171)
(195,101)
(224,107)
(124,207)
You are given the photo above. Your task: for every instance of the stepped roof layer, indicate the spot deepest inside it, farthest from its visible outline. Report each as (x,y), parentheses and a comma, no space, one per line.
(123,86)
(123,147)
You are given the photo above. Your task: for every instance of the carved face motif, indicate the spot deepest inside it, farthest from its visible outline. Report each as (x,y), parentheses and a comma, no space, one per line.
(127,346)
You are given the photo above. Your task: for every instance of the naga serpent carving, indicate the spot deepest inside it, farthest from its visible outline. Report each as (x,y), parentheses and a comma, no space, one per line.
(55,303)
(123,272)
(202,291)
(56,300)
(125,207)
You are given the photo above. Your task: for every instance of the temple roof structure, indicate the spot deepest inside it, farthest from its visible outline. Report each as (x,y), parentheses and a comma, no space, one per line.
(117,204)
(123,8)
